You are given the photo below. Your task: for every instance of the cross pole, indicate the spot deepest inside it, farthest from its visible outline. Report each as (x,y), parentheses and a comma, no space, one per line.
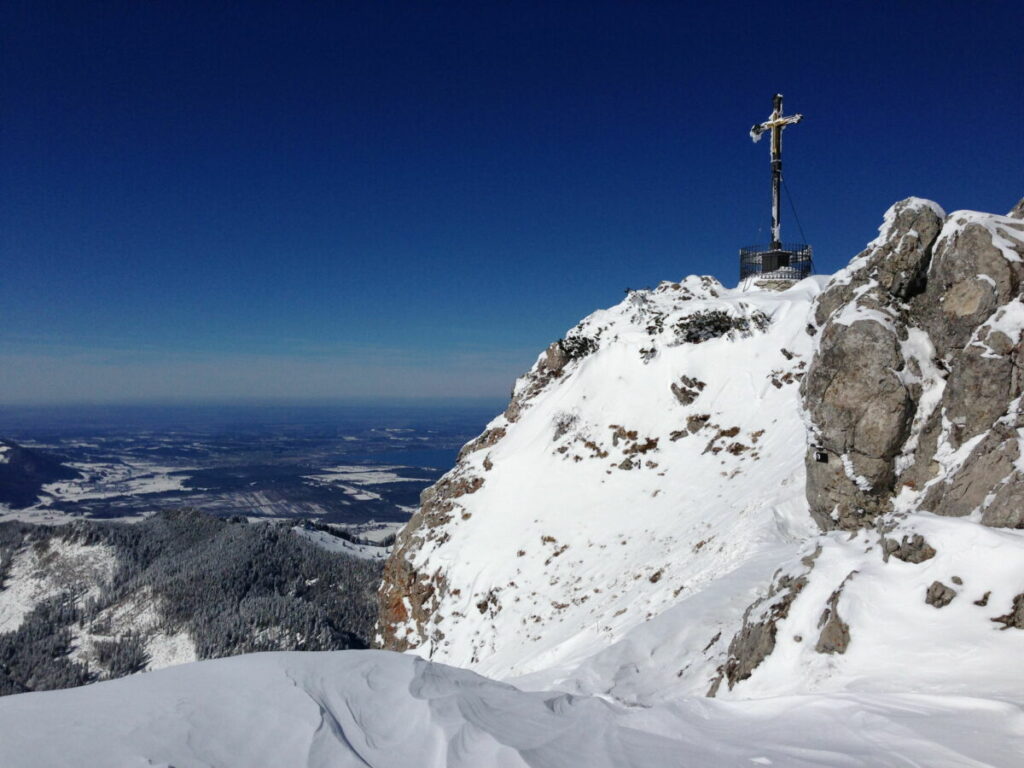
(775,123)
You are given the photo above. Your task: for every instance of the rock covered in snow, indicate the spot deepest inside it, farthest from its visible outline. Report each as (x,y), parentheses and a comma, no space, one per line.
(913,394)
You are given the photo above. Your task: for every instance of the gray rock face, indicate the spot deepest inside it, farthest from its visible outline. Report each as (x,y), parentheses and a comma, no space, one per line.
(757,636)
(1015,618)
(756,639)
(912,549)
(918,355)
(687,390)
(835,633)
(939,595)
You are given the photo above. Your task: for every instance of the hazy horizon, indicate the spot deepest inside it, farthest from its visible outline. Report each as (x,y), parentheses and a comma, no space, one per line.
(398,199)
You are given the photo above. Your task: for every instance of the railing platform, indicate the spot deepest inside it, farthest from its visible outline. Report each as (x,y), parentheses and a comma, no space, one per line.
(792,261)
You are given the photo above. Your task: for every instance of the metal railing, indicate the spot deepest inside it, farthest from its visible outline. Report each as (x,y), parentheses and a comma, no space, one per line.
(793,261)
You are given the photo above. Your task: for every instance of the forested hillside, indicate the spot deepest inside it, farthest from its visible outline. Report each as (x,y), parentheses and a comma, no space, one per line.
(91,601)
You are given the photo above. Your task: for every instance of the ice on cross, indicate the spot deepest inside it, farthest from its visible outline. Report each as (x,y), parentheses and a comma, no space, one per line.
(775,123)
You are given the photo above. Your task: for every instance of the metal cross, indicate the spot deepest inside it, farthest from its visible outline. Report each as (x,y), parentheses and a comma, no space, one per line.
(775,123)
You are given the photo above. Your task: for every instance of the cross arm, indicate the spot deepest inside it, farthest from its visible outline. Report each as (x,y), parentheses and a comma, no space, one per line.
(778,122)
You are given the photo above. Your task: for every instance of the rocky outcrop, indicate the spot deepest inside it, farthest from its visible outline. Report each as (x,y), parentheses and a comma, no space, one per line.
(835,633)
(651,451)
(939,595)
(757,637)
(912,549)
(1015,618)
(598,475)
(912,395)
(409,595)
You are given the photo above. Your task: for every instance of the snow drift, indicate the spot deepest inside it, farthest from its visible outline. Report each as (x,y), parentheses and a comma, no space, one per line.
(373,708)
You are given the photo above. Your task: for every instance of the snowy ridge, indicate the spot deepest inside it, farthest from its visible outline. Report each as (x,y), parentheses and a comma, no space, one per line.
(667,455)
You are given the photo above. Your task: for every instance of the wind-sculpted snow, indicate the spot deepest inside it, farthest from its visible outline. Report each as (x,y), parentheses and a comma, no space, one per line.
(375,709)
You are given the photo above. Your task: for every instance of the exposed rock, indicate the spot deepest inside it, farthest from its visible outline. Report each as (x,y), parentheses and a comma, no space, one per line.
(898,259)
(702,326)
(835,633)
(408,595)
(969,278)
(774,285)
(550,367)
(687,390)
(1015,618)
(756,639)
(696,423)
(862,410)
(987,480)
(939,594)
(912,549)
(486,440)
(919,353)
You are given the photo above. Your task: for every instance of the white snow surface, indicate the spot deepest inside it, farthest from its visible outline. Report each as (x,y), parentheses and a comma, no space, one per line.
(898,641)
(572,555)
(331,543)
(385,710)
(108,480)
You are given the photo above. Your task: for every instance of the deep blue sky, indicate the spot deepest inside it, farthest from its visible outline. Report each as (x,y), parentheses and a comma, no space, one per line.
(244,200)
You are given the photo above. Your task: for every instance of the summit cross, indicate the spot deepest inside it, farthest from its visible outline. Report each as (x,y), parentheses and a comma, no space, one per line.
(775,123)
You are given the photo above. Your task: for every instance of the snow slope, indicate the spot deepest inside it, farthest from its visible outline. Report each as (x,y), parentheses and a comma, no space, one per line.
(643,502)
(611,499)
(379,709)
(38,573)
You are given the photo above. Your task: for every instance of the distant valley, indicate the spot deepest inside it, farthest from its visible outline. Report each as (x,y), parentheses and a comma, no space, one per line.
(124,543)
(352,466)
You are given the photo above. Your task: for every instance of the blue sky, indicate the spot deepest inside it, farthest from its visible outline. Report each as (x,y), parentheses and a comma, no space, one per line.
(259,200)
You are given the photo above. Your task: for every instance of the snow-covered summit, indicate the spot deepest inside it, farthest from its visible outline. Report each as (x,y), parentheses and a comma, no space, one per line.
(656,448)
(645,519)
